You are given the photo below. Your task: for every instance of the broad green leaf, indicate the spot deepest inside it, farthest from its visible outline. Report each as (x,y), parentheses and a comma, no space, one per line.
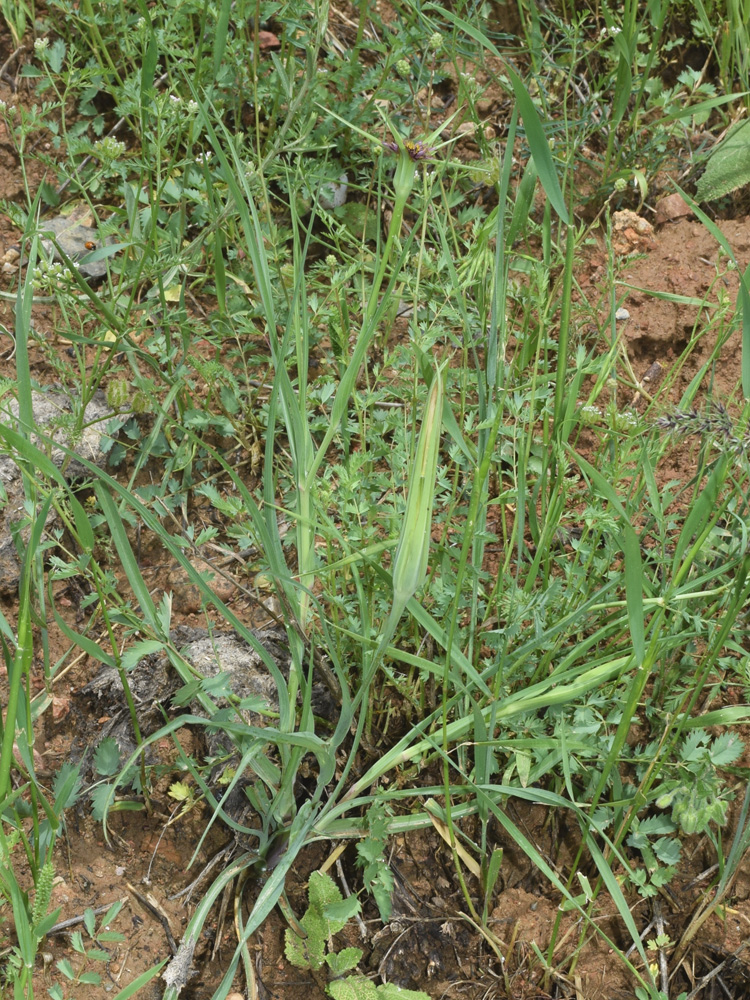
(343,961)
(728,166)
(353,988)
(107,757)
(539,146)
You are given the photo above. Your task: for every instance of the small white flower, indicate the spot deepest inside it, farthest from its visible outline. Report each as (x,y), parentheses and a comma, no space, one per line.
(41,45)
(590,414)
(109,148)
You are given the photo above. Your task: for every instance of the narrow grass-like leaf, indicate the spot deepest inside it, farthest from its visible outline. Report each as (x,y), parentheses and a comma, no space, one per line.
(681,300)
(410,560)
(632,554)
(466,26)
(539,146)
(220,35)
(127,557)
(703,511)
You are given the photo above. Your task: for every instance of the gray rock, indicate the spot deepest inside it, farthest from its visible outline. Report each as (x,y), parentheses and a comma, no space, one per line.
(78,240)
(154,681)
(54,417)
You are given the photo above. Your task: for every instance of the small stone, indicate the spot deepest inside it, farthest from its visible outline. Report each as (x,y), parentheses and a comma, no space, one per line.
(622,314)
(671,208)
(332,194)
(187,597)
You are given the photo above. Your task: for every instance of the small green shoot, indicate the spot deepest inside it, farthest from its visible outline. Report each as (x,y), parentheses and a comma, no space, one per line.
(327,914)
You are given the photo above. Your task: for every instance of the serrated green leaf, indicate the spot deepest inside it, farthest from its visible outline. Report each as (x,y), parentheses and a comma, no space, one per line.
(370,850)
(133,656)
(359,220)
(107,757)
(309,952)
(180,791)
(185,694)
(91,978)
(667,850)
(56,55)
(99,955)
(110,915)
(295,950)
(378,880)
(692,748)
(343,910)
(353,988)
(218,686)
(66,968)
(89,921)
(343,961)
(67,786)
(323,892)
(653,825)
(725,749)
(99,801)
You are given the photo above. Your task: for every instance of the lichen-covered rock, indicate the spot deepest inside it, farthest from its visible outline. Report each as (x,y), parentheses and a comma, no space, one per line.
(55,419)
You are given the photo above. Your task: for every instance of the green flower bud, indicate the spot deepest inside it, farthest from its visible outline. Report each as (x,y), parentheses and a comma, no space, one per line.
(118,393)
(140,403)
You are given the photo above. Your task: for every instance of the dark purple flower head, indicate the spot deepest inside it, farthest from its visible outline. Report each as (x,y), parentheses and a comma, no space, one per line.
(416,150)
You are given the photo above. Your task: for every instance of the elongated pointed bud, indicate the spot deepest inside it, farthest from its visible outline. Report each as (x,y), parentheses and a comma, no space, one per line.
(410,561)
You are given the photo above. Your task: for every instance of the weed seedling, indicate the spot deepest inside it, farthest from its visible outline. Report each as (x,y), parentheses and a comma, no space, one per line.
(91,949)
(326,915)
